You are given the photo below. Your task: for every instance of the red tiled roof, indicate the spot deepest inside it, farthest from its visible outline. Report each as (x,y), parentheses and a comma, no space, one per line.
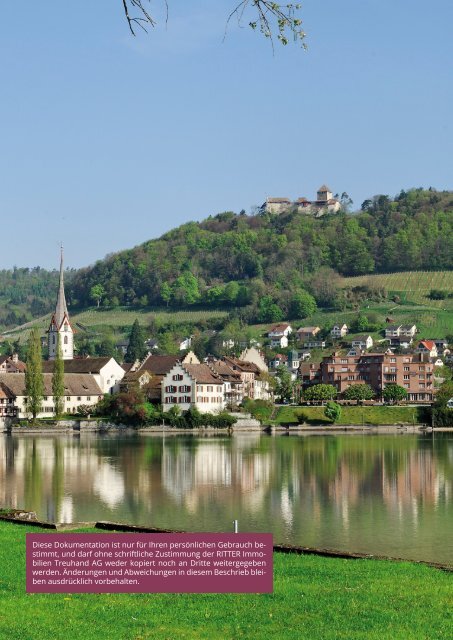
(160,365)
(202,373)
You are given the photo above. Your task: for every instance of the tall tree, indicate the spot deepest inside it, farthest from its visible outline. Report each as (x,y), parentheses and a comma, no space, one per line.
(34,380)
(58,381)
(136,349)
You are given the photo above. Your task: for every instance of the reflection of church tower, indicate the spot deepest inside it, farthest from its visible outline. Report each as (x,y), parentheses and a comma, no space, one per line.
(60,325)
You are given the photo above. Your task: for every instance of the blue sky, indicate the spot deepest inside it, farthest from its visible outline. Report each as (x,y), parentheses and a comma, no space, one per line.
(109,140)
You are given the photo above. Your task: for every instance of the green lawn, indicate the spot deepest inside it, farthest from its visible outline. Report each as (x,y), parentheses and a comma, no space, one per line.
(314,598)
(354,415)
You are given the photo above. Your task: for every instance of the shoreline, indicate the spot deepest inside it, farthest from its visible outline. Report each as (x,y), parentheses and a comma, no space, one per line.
(83,427)
(104,525)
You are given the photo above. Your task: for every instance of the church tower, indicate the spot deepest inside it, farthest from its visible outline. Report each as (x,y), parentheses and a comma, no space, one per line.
(60,325)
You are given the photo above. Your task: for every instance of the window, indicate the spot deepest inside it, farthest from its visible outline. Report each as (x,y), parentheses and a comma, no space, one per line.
(88,397)
(68,398)
(210,389)
(79,398)
(406,377)
(53,339)
(177,376)
(65,340)
(392,359)
(406,368)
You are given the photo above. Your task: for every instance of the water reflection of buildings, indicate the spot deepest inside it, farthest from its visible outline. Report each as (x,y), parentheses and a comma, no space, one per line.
(296,487)
(47,474)
(230,470)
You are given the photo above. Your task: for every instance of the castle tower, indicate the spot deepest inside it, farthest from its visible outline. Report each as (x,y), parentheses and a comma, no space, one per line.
(60,325)
(324,194)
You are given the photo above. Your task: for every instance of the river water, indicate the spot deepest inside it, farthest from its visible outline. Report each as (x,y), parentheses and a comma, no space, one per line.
(389,494)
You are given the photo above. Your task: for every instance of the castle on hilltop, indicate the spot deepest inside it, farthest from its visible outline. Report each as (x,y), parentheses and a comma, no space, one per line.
(324,203)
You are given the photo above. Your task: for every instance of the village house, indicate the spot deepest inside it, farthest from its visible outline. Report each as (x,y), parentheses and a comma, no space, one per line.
(193,385)
(12,364)
(278,335)
(400,335)
(253,355)
(362,342)
(106,371)
(8,408)
(277,360)
(339,331)
(135,380)
(427,347)
(234,387)
(79,389)
(307,333)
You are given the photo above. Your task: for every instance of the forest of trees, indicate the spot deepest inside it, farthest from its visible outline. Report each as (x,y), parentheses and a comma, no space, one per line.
(265,266)
(274,263)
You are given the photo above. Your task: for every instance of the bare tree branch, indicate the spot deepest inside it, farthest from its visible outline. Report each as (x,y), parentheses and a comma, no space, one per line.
(143,18)
(271,18)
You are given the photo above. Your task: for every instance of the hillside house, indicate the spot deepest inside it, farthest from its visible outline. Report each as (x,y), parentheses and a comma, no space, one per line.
(339,331)
(427,347)
(362,342)
(278,335)
(278,360)
(400,335)
(307,333)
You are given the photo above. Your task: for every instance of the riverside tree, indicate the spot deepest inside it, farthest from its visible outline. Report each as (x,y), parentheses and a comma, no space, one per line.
(359,392)
(394,393)
(320,392)
(34,379)
(58,381)
(332,411)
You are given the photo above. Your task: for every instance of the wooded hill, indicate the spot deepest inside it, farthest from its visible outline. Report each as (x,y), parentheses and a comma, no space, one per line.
(242,260)
(267,266)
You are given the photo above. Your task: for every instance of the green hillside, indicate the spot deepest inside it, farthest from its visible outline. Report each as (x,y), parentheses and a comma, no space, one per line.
(264,263)
(394,257)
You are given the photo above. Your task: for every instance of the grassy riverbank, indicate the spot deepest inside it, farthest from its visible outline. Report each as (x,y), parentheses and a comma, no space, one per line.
(381,415)
(314,598)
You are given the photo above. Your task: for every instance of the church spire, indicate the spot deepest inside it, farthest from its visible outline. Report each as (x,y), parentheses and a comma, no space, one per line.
(61,310)
(60,332)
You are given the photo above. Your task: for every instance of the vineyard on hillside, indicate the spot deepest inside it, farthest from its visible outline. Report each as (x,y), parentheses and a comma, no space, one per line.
(410,286)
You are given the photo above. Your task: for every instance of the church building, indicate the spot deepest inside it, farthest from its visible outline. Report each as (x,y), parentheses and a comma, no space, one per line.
(60,327)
